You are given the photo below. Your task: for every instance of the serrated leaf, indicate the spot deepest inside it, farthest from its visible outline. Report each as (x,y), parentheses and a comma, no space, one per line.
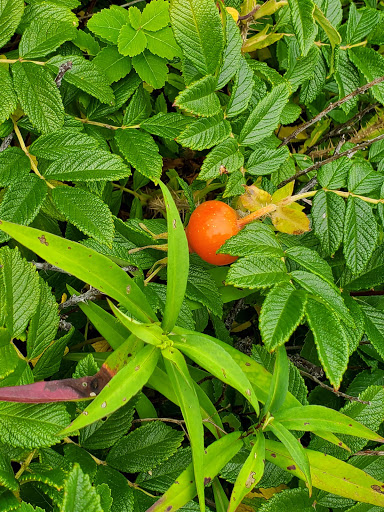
(281,313)
(205,133)
(303,23)
(122,494)
(166,125)
(360,23)
(44,323)
(199,98)
(8,100)
(141,151)
(79,494)
(290,220)
(38,96)
(85,211)
(241,91)
(360,234)
(311,88)
(131,42)
(328,213)
(11,12)
(265,117)
(198,30)
(257,272)
(84,75)
(145,448)
(20,291)
(139,108)
(112,64)
(42,37)
(86,42)
(332,346)
(155,15)
(7,477)
(374,326)
(255,238)
(88,165)
(265,160)
(108,22)
(151,68)
(14,166)
(235,184)
(302,68)
(347,78)
(50,360)
(362,179)
(31,425)
(372,275)
(22,201)
(225,155)
(47,10)
(202,288)
(163,43)
(60,143)
(371,64)
(334,175)
(231,54)
(311,261)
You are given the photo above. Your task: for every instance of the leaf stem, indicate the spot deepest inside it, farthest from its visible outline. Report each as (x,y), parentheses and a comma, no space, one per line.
(12,61)
(25,464)
(24,148)
(105,125)
(256,215)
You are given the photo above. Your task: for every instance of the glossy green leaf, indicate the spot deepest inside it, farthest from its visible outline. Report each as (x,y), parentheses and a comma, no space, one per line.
(178,262)
(328,213)
(107,23)
(303,23)
(199,98)
(11,12)
(205,132)
(279,383)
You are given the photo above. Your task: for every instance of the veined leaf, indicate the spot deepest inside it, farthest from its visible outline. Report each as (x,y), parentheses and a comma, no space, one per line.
(231,54)
(107,23)
(155,15)
(374,326)
(124,385)
(332,34)
(8,100)
(225,155)
(198,30)
(265,160)
(151,68)
(42,37)
(347,78)
(205,133)
(166,125)
(328,213)
(371,64)
(58,144)
(163,43)
(242,90)
(184,489)
(38,95)
(255,238)
(360,23)
(86,264)
(189,404)
(202,288)
(11,12)
(281,313)
(178,262)
(199,98)
(311,261)
(114,65)
(257,272)
(79,494)
(303,23)
(251,472)
(131,42)
(265,117)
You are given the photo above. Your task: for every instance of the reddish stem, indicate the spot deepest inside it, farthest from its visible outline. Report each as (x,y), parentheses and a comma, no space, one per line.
(256,215)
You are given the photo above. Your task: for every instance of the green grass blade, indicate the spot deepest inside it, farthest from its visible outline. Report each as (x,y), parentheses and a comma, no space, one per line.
(279,383)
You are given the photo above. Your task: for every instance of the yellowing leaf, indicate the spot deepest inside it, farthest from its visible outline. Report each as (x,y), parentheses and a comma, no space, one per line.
(287,130)
(268,493)
(255,198)
(261,40)
(268,8)
(235,14)
(283,192)
(289,220)
(101,346)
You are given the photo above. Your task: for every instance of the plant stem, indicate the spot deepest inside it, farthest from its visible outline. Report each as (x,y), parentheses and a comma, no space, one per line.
(256,215)
(12,61)
(25,464)
(105,125)
(330,107)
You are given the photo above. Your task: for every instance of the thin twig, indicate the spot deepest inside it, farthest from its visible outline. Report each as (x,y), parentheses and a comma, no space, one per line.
(380,453)
(66,66)
(6,142)
(349,153)
(91,294)
(329,388)
(47,266)
(330,107)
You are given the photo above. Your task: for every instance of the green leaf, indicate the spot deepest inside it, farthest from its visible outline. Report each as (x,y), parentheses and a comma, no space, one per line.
(107,23)
(11,12)
(31,425)
(42,37)
(184,489)
(207,353)
(372,275)
(60,143)
(50,361)
(124,385)
(131,42)
(371,64)
(14,166)
(22,201)
(199,32)
(235,184)
(184,388)
(303,23)
(112,64)
(360,23)
(328,213)
(255,238)
(257,272)
(166,125)
(96,269)
(86,42)
(332,346)
(295,450)
(44,323)
(178,262)
(163,43)
(302,68)
(122,494)
(347,78)
(318,417)
(139,107)
(155,15)
(79,494)
(202,288)
(362,179)
(20,291)
(281,313)
(8,100)
(88,165)
(279,383)
(85,211)
(7,477)
(332,34)
(141,151)
(251,472)
(199,98)
(290,500)
(241,91)
(265,160)
(151,68)
(374,326)
(38,96)
(84,75)
(360,234)
(231,54)
(205,133)
(47,10)
(311,261)
(311,88)
(265,117)
(145,448)
(225,155)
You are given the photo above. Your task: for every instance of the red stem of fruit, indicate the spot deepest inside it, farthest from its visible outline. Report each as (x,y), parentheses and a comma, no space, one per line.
(256,215)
